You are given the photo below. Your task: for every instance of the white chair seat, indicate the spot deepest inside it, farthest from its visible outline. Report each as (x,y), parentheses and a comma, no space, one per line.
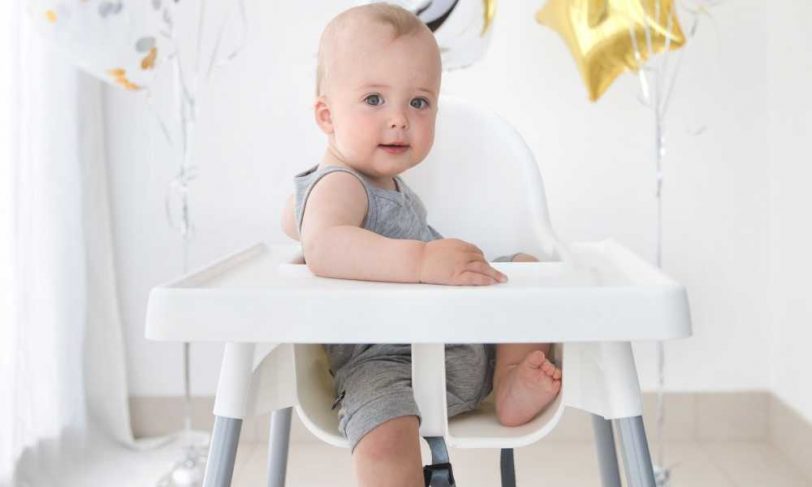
(476,429)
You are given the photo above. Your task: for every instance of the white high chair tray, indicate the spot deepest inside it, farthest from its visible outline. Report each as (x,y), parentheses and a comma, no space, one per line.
(602,293)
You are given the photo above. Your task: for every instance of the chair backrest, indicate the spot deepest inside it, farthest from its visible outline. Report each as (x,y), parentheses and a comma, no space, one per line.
(481,183)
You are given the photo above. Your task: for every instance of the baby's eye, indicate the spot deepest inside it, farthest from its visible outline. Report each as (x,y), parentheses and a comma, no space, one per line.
(419,103)
(373,100)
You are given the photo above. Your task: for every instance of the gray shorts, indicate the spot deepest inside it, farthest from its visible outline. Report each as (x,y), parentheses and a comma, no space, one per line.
(374,382)
(375,385)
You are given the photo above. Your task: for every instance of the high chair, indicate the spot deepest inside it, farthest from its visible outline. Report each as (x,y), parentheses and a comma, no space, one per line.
(481,184)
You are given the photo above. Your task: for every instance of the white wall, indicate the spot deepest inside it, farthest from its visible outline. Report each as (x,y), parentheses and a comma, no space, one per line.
(595,158)
(789,66)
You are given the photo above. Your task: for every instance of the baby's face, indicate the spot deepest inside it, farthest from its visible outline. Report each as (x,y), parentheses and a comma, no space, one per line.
(382,98)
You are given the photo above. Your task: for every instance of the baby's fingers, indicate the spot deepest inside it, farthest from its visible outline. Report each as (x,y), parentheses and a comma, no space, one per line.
(483,267)
(469,278)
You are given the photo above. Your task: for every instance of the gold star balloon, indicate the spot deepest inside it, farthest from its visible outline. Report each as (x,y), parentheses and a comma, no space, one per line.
(607,37)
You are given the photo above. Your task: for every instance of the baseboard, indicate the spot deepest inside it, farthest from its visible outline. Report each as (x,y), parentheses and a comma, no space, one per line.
(791,433)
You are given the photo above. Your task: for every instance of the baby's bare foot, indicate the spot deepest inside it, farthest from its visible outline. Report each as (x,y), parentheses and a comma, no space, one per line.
(526,389)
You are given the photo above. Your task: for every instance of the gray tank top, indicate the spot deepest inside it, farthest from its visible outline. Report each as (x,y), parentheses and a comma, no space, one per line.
(393,214)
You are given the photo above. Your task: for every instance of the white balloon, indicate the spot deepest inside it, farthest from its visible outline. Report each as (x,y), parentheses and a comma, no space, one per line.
(119,41)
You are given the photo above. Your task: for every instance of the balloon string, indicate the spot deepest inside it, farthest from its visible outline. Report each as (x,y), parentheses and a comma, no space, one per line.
(213,61)
(647,30)
(154,111)
(176,203)
(638,58)
(657,9)
(670,87)
(669,27)
(659,148)
(657,95)
(201,22)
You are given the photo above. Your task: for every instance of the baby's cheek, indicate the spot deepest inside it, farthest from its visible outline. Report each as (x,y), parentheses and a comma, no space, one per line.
(354,142)
(365,135)
(425,141)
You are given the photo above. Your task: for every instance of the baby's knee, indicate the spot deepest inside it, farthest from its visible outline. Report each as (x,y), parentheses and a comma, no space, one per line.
(522,257)
(517,257)
(391,439)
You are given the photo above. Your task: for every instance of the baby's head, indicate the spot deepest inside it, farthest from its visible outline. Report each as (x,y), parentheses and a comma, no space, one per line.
(378,84)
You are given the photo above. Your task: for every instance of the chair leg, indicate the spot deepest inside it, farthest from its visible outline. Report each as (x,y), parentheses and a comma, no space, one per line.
(278,441)
(607,456)
(222,452)
(636,456)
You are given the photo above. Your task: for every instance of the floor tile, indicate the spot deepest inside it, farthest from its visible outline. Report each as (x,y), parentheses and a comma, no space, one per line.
(690,466)
(310,464)
(560,463)
(751,464)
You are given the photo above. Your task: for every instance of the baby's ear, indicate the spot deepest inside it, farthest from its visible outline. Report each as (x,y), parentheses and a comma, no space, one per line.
(324,118)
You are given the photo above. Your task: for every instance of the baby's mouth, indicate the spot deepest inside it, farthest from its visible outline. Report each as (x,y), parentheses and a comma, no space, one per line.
(394,148)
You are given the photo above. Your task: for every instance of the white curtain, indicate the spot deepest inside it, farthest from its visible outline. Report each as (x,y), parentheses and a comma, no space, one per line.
(62,364)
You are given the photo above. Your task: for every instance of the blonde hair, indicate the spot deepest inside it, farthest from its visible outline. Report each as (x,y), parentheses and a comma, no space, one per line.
(401,20)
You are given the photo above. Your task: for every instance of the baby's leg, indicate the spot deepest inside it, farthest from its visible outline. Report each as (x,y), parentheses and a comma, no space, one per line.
(389,455)
(379,416)
(525,380)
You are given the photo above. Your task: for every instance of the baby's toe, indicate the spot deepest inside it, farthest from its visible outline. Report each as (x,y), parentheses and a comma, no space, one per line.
(536,359)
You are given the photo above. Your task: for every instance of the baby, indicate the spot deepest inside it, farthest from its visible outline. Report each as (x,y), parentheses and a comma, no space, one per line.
(378,86)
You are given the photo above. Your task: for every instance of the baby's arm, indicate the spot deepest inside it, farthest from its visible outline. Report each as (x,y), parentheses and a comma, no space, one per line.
(336,246)
(289,220)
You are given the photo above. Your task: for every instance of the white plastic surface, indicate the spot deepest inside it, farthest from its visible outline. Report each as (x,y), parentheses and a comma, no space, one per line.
(607,294)
(428,385)
(594,306)
(234,386)
(599,378)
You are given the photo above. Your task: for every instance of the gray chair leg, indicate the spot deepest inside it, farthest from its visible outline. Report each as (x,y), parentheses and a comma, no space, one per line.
(607,456)
(222,452)
(636,456)
(278,441)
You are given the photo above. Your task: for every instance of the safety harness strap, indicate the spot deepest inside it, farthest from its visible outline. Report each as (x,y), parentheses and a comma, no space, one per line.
(507,468)
(439,473)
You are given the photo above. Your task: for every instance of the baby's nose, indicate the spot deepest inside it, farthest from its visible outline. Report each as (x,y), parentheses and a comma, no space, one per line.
(398,122)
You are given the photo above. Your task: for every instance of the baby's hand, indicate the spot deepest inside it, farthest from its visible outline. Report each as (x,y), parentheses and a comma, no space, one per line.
(457,263)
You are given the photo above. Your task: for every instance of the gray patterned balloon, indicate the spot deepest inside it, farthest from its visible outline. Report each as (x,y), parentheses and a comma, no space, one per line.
(462,27)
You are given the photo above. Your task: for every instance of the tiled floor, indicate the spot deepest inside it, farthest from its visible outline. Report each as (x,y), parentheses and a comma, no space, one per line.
(560,464)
